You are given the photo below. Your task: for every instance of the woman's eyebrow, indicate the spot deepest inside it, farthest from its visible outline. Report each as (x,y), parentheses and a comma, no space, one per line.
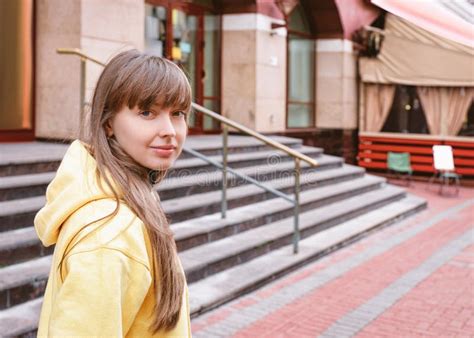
(159,108)
(175,108)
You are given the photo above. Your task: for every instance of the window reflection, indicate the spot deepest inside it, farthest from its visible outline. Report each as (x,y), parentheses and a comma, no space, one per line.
(183,51)
(300,82)
(155,30)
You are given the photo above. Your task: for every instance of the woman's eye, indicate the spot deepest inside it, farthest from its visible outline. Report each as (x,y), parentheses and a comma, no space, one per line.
(179,113)
(146,113)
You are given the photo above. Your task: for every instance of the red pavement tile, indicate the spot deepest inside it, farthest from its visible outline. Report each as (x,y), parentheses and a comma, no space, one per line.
(244,303)
(216,317)
(450,289)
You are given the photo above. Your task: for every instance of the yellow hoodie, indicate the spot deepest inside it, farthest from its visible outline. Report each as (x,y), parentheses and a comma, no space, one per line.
(104,288)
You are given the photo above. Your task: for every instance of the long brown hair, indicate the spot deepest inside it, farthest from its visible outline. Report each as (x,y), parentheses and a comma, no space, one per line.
(136,79)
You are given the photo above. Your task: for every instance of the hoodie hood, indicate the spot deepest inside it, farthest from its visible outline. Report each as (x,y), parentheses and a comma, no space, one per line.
(74,185)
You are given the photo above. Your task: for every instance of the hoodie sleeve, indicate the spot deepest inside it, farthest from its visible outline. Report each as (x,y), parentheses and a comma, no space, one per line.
(100,296)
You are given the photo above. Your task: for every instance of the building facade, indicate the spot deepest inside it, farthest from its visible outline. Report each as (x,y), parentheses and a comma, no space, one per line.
(291,73)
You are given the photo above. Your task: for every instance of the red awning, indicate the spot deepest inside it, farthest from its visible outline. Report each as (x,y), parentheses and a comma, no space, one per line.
(432,16)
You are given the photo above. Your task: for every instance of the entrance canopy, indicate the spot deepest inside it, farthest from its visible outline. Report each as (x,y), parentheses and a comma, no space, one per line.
(436,16)
(434,51)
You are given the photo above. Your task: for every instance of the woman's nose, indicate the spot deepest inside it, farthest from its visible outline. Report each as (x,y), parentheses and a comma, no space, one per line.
(166,128)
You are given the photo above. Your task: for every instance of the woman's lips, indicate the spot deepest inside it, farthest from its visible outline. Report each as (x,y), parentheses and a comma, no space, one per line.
(164,151)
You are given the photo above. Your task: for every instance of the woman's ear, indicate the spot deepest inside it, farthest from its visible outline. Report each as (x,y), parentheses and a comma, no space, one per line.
(108,129)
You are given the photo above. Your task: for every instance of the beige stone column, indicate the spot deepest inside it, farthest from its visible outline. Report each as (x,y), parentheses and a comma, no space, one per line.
(109,27)
(58,24)
(336,84)
(254,71)
(101,29)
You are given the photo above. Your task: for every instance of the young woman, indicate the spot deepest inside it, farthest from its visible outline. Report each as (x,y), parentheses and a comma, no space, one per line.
(115,270)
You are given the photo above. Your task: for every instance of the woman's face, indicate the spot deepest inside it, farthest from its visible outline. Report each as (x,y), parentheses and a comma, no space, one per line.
(153,137)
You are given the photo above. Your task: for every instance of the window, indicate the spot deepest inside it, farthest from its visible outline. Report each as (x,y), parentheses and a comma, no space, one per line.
(406,114)
(155,29)
(301,59)
(300,82)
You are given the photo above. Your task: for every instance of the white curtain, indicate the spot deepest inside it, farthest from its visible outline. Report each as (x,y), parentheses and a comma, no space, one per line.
(378,101)
(445,108)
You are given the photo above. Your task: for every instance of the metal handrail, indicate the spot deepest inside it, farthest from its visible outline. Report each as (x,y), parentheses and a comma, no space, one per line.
(78,52)
(298,157)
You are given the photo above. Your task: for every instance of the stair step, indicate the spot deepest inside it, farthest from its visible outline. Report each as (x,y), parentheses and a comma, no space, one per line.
(205,260)
(21,320)
(227,285)
(207,228)
(23,186)
(19,245)
(185,185)
(28,158)
(23,281)
(19,213)
(29,168)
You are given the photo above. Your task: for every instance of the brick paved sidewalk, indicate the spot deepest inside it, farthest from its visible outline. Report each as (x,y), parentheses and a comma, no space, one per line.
(414,278)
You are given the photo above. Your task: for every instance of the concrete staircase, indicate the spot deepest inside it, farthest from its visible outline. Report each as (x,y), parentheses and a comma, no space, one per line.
(223,258)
